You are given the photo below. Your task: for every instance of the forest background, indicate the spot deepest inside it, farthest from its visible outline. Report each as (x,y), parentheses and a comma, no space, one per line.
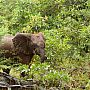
(66,27)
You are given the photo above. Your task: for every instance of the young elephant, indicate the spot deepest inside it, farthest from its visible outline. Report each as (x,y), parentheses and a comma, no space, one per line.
(23,45)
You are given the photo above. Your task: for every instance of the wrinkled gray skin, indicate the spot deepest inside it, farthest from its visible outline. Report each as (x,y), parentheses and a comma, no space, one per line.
(23,45)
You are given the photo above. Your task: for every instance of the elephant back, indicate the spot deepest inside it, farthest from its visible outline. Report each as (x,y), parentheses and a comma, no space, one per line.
(6,42)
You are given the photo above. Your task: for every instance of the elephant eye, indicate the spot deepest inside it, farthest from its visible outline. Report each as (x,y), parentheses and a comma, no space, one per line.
(42,45)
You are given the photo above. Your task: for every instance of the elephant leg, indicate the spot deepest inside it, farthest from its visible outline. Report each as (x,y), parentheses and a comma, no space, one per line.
(6,70)
(25,59)
(23,74)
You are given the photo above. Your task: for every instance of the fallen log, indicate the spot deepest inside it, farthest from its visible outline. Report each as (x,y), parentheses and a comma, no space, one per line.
(8,82)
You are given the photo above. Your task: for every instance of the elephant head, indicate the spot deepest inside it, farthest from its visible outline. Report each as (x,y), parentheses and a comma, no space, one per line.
(26,45)
(38,41)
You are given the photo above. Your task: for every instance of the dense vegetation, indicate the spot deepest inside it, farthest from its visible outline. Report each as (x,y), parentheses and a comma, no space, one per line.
(66,26)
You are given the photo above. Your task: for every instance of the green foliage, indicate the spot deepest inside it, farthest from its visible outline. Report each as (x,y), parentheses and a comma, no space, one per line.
(45,74)
(66,26)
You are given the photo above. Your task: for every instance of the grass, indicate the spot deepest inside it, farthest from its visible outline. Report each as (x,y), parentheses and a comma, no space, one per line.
(77,71)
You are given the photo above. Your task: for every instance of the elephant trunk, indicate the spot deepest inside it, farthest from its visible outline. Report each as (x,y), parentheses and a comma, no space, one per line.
(42,55)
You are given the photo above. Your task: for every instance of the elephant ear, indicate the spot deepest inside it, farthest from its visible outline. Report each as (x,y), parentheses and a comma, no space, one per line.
(21,43)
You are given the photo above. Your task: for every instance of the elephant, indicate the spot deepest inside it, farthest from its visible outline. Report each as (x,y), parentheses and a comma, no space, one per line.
(24,46)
